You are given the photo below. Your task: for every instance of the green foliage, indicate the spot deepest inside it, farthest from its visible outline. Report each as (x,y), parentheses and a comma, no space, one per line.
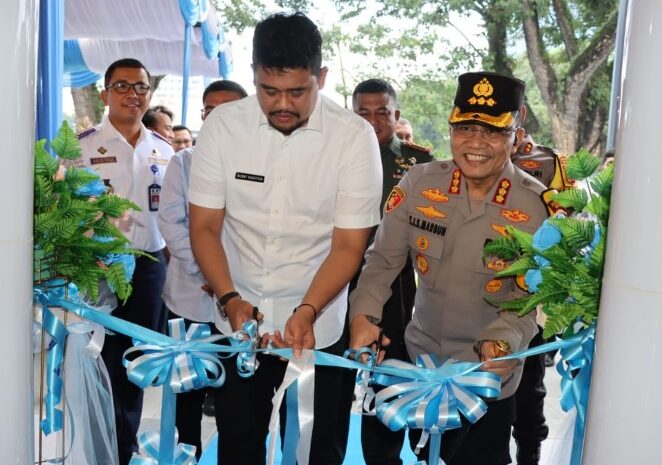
(67,223)
(570,268)
(582,165)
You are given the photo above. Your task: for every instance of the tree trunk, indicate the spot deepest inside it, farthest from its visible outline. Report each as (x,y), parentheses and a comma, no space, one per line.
(87,105)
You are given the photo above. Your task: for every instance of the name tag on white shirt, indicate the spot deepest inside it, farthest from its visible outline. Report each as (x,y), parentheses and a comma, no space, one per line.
(249,177)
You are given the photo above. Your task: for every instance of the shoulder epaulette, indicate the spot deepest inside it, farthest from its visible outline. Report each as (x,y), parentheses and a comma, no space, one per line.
(85,133)
(160,137)
(420,148)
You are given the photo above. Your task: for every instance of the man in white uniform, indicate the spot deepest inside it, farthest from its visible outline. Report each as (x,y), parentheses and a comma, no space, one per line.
(186,293)
(293,183)
(132,161)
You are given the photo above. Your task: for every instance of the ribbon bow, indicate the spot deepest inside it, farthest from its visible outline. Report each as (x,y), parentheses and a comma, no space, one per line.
(148,444)
(192,358)
(434,396)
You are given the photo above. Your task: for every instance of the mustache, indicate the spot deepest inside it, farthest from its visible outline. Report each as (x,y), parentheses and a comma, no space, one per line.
(284,112)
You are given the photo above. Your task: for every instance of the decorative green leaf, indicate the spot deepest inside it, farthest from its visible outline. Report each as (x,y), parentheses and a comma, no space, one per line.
(114,205)
(503,247)
(77,178)
(582,165)
(519,267)
(601,183)
(572,198)
(524,239)
(45,164)
(599,206)
(66,145)
(576,233)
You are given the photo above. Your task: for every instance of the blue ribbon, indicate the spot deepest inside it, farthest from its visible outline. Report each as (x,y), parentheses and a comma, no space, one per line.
(148,444)
(575,368)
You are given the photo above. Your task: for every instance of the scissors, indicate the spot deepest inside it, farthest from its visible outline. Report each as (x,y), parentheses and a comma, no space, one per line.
(379,348)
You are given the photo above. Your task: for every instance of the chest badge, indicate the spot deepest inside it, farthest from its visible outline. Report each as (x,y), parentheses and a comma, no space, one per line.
(431,212)
(497,265)
(422,264)
(422,242)
(500,229)
(395,198)
(102,150)
(435,195)
(493,286)
(530,164)
(516,216)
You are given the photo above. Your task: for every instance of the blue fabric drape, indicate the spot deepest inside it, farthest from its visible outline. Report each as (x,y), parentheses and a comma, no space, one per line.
(50,65)
(76,72)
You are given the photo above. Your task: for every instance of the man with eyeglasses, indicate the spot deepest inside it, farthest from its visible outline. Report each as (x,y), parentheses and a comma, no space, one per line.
(186,292)
(375,101)
(132,162)
(441,215)
(182,138)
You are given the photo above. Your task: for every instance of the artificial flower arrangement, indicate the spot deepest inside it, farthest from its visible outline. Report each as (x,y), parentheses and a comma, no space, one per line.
(76,234)
(562,262)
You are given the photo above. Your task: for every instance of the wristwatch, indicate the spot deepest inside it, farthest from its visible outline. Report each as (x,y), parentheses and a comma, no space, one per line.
(223,301)
(502,346)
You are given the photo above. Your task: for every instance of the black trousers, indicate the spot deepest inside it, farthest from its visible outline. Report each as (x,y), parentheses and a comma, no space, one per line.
(144,307)
(485,442)
(529,428)
(380,445)
(189,406)
(243,409)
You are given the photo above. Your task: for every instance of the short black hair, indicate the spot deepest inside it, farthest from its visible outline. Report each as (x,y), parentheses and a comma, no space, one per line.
(181,127)
(375,86)
(283,41)
(149,118)
(224,85)
(123,63)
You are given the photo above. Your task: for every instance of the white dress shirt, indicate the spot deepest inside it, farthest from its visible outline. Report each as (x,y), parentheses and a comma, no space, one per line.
(182,291)
(130,171)
(282,196)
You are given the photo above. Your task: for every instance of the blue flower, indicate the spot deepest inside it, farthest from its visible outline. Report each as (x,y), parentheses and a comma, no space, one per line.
(541,261)
(128,260)
(94,188)
(546,236)
(533,279)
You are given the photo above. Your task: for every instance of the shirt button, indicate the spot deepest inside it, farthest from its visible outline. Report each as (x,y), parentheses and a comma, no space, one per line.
(279,177)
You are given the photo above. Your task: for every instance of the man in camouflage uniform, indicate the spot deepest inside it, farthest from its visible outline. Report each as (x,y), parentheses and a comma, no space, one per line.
(529,429)
(376,101)
(440,215)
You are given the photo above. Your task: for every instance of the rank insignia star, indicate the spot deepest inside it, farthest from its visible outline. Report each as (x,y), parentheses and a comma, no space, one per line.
(501,194)
(455,186)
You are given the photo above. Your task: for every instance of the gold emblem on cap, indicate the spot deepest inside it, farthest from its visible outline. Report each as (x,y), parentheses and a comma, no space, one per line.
(481,90)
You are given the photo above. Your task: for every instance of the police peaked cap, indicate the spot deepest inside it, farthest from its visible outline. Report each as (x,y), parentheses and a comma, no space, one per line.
(487,98)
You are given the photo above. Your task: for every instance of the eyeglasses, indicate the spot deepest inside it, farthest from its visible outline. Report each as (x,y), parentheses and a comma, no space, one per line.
(469,130)
(181,141)
(123,87)
(205,111)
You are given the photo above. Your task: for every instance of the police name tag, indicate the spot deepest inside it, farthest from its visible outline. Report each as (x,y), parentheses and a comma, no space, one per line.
(249,177)
(153,197)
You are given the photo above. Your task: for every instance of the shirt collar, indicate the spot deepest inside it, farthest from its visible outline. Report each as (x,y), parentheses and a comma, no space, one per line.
(394,145)
(110,132)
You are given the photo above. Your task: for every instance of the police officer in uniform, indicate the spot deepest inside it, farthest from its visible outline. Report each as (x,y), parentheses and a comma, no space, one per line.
(131,160)
(440,215)
(376,101)
(529,429)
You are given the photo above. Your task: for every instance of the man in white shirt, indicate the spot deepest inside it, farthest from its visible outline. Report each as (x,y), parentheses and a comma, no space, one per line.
(293,183)
(186,293)
(132,161)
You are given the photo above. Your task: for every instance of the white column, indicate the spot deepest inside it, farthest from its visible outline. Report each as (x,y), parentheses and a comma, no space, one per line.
(18,49)
(625,408)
